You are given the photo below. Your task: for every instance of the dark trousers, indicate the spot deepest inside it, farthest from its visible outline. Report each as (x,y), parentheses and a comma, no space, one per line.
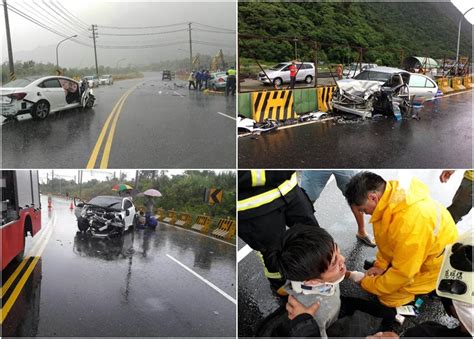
(292,82)
(462,201)
(191,83)
(349,305)
(230,85)
(264,233)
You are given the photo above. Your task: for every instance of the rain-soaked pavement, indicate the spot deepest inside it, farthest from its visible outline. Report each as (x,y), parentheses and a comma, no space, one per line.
(161,124)
(441,139)
(256,300)
(134,286)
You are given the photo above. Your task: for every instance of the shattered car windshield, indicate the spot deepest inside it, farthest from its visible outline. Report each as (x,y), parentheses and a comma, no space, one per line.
(107,202)
(373,76)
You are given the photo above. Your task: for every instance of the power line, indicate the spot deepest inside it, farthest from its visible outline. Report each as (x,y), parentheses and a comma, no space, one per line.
(79,21)
(141,46)
(142,27)
(218,28)
(207,30)
(67,20)
(27,17)
(140,34)
(46,16)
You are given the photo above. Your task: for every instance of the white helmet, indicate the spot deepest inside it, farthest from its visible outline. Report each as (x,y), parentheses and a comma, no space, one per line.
(455,278)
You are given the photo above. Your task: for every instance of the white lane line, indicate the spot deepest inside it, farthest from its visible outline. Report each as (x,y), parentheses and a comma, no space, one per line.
(243,252)
(449,95)
(206,281)
(204,235)
(227,116)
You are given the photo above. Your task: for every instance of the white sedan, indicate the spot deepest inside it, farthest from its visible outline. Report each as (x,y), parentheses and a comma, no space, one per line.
(366,94)
(42,96)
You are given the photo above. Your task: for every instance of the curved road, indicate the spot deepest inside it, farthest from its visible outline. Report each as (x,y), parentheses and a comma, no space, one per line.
(144,123)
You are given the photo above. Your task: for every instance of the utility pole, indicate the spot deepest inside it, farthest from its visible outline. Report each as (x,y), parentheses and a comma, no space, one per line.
(190,49)
(9,42)
(94,35)
(136,179)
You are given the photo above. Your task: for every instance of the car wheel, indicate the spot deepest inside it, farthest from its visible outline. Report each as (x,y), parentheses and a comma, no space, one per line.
(214,88)
(90,102)
(82,224)
(308,79)
(40,110)
(277,82)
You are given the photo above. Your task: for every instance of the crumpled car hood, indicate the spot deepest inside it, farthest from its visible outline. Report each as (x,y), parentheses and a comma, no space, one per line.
(361,88)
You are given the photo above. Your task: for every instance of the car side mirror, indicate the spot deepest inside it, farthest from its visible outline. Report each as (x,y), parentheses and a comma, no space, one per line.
(127,213)
(80,205)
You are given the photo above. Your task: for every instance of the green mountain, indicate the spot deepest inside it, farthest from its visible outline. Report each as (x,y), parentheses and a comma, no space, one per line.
(387,31)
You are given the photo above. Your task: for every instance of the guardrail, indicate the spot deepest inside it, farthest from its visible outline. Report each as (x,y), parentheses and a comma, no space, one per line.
(288,104)
(224,228)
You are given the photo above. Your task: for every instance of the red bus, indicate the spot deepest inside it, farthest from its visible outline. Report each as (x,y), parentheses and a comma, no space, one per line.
(21,212)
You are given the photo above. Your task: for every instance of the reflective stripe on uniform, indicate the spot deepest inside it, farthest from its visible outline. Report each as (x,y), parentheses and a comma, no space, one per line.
(258,177)
(469,174)
(268,274)
(269,196)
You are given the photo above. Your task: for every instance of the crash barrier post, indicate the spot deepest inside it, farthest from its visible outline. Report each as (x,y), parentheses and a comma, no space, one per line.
(161,214)
(457,84)
(325,98)
(184,220)
(304,100)
(276,105)
(170,217)
(467,81)
(245,104)
(225,229)
(443,85)
(202,223)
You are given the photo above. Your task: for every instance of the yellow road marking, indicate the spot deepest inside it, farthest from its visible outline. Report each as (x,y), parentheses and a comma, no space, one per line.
(19,287)
(113,116)
(95,151)
(4,289)
(106,154)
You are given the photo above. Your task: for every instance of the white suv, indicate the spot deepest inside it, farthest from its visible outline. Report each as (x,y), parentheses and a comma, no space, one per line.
(280,74)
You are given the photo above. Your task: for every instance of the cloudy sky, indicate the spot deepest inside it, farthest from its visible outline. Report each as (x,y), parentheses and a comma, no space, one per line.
(213,28)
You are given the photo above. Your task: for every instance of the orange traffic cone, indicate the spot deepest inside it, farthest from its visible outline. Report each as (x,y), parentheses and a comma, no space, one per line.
(71,207)
(49,203)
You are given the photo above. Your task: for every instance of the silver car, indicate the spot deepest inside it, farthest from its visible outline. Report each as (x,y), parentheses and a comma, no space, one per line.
(366,94)
(280,74)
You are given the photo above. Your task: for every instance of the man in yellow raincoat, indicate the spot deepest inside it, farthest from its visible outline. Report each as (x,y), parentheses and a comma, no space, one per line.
(411,231)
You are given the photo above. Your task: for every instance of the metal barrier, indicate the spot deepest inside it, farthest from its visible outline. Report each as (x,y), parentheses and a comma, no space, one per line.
(202,224)
(225,229)
(170,217)
(184,220)
(467,81)
(161,214)
(443,85)
(276,105)
(456,83)
(325,98)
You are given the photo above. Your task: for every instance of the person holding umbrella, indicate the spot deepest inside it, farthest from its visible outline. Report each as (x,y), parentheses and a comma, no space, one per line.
(150,204)
(123,189)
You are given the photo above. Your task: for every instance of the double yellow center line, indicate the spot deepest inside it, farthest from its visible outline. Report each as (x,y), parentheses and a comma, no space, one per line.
(113,116)
(34,253)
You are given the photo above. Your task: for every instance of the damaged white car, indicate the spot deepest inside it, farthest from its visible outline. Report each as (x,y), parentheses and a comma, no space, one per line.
(382,90)
(105,216)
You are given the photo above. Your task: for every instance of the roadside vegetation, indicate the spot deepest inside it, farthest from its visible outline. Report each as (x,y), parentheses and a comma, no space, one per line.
(386,31)
(183,192)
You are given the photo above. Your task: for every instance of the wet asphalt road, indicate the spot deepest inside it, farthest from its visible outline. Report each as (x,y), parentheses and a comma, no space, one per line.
(332,212)
(441,139)
(161,125)
(127,287)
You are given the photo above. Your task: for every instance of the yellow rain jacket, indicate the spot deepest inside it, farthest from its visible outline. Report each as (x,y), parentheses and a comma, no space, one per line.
(411,230)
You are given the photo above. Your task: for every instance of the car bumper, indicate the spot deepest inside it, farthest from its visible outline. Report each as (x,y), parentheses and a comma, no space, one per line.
(15,108)
(365,113)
